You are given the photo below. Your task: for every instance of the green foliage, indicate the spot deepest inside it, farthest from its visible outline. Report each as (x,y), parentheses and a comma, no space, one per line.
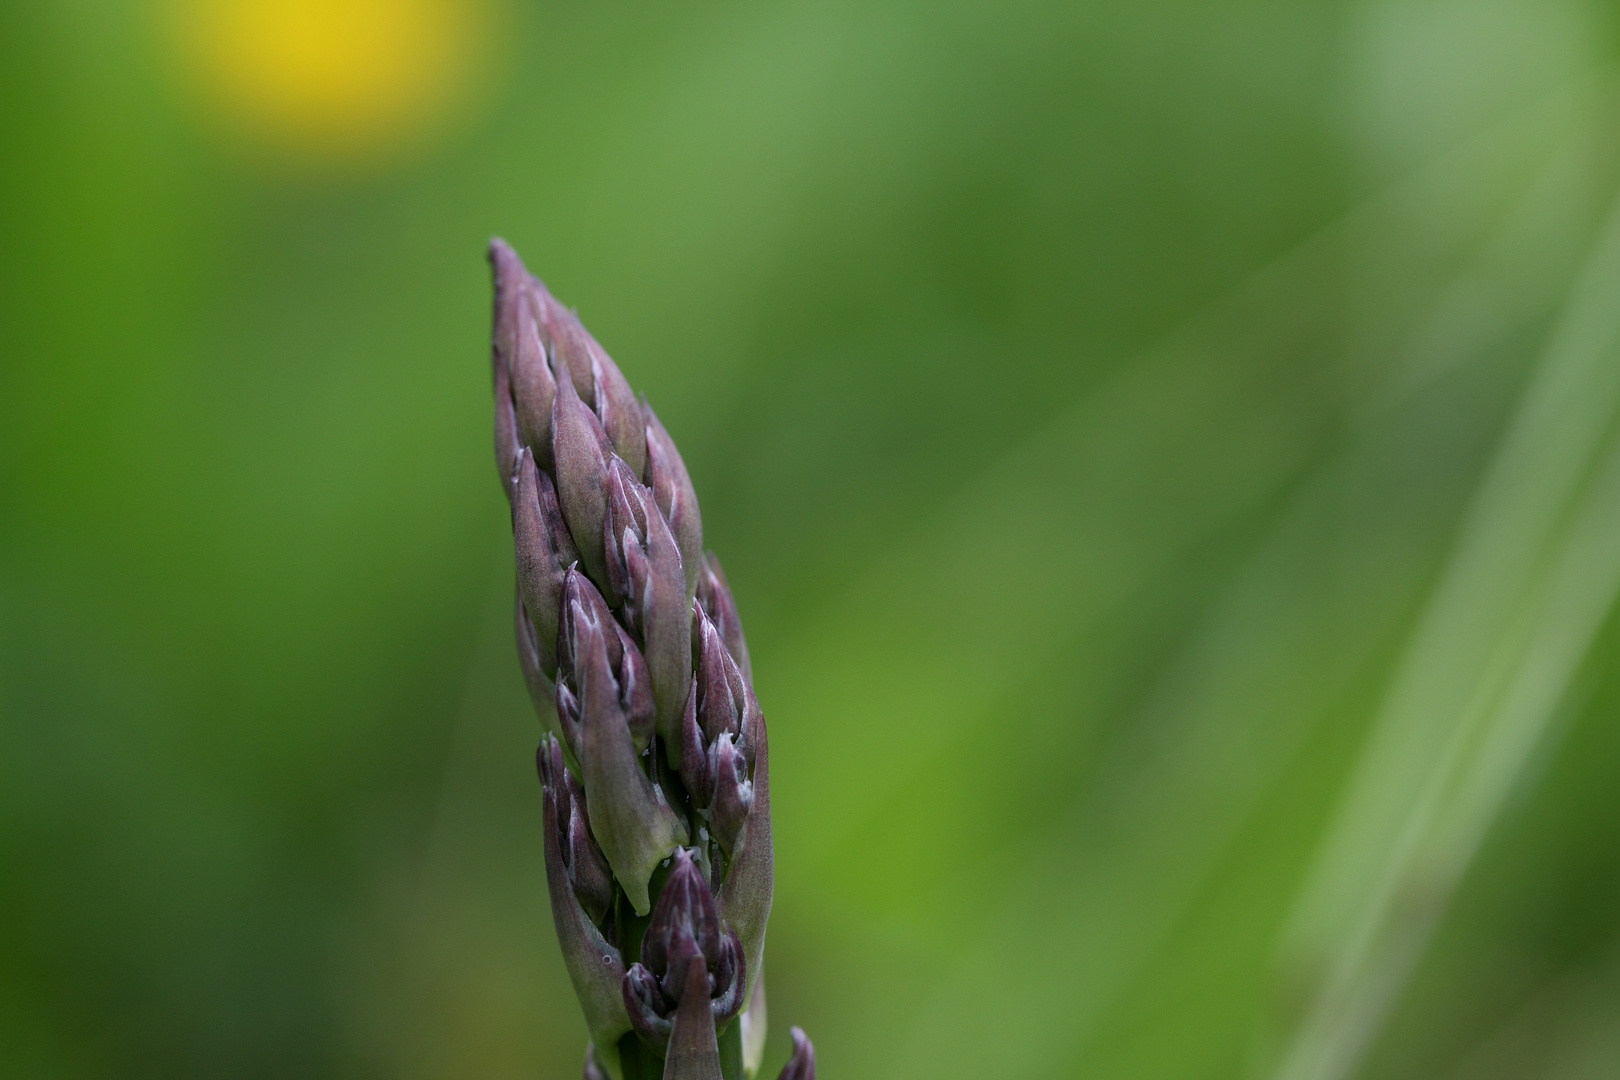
(1184,624)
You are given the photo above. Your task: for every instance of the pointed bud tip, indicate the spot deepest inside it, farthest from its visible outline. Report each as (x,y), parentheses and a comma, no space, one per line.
(802,1065)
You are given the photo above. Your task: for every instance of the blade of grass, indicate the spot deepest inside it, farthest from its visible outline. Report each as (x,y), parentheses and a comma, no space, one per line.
(1131,858)
(1535,570)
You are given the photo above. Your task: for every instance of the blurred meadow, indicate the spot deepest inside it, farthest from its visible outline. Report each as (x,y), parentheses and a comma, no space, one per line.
(1167,456)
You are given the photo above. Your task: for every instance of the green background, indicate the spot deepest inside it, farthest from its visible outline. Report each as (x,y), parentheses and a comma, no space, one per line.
(1162,452)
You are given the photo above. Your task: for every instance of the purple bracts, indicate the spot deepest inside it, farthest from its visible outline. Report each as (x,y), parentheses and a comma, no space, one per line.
(656,792)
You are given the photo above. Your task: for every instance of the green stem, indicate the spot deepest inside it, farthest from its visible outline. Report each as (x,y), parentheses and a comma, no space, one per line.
(731,1066)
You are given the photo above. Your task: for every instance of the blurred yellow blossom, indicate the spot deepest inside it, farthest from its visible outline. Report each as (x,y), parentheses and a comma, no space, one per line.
(336,80)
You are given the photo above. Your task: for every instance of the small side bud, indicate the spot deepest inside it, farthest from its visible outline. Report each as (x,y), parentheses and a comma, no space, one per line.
(624,537)
(724,700)
(581,601)
(570,343)
(672,492)
(618,409)
(644,569)
(628,814)
(744,898)
(587,867)
(714,593)
(802,1065)
(596,378)
(580,453)
(732,792)
(686,934)
(568,721)
(533,660)
(507,443)
(593,1070)
(694,754)
(694,1051)
(533,387)
(594,966)
(684,920)
(539,568)
(649,1010)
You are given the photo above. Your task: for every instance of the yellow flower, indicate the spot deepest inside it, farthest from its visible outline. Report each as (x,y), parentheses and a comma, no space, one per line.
(332,79)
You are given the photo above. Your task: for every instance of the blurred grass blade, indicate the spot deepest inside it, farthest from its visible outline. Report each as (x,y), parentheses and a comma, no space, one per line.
(1211,423)
(1533,575)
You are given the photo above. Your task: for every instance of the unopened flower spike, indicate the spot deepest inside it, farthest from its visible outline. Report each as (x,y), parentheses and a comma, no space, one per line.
(656,798)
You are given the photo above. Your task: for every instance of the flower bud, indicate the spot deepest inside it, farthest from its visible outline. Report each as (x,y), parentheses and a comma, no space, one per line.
(694,754)
(628,814)
(594,966)
(714,594)
(745,895)
(580,455)
(533,385)
(625,660)
(587,866)
(684,924)
(685,952)
(724,700)
(672,491)
(802,1064)
(544,551)
(644,570)
(694,1050)
(533,660)
(597,380)
(587,869)
(731,793)
(507,443)
(511,281)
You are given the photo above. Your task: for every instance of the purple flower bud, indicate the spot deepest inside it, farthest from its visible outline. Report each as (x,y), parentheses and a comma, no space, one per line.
(672,493)
(647,1007)
(581,601)
(571,350)
(533,660)
(714,593)
(732,794)
(507,443)
(580,453)
(594,966)
(694,1051)
(745,895)
(628,814)
(587,866)
(568,721)
(537,535)
(511,295)
(692,965)
(596,378)
(601,500)
(724,700)
(685,919)
(685,931)
(694,755)
(802,1065)
(624,536)
(644,569)
(533,386)
(587,869)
